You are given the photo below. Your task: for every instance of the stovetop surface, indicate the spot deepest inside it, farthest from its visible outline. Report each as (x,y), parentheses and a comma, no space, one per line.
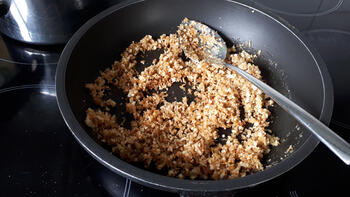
(40,157)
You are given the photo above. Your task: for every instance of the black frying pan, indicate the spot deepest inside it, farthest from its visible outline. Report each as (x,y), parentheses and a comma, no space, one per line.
(287,64)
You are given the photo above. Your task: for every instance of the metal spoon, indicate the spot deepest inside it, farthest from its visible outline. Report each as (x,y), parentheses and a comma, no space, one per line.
(214,52)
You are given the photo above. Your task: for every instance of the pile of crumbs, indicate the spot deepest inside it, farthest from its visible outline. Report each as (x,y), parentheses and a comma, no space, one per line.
(181,137)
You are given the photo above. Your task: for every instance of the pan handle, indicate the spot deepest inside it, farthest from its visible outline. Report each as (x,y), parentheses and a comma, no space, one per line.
(328,137)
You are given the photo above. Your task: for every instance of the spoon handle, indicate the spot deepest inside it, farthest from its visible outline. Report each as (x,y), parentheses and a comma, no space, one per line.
(328,137)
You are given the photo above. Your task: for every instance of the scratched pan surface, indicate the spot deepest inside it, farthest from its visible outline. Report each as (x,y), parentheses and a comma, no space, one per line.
(287,63)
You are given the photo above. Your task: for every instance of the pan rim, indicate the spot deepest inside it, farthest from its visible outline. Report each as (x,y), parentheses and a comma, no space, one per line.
(174,184)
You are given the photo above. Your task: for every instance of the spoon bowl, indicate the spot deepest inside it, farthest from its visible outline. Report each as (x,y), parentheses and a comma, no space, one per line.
(215,49)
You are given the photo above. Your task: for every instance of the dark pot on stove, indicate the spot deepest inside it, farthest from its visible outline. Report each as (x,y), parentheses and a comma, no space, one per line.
(46,22)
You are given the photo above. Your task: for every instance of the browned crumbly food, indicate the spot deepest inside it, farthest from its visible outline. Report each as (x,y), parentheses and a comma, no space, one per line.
(290,149)
(190,39)
(180,136)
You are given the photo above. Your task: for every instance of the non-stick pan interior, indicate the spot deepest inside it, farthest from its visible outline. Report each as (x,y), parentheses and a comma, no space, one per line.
(286,63)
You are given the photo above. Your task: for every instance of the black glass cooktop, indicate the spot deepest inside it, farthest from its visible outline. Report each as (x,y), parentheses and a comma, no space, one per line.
(40,157)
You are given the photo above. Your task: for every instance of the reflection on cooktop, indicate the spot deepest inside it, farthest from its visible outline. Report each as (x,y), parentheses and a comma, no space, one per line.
(13,75)
(13,51)
(334,48)
(26,65)
(41,157)
(293,8)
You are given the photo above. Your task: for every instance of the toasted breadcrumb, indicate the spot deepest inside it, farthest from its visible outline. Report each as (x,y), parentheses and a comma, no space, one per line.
(178,136)
(290,149)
